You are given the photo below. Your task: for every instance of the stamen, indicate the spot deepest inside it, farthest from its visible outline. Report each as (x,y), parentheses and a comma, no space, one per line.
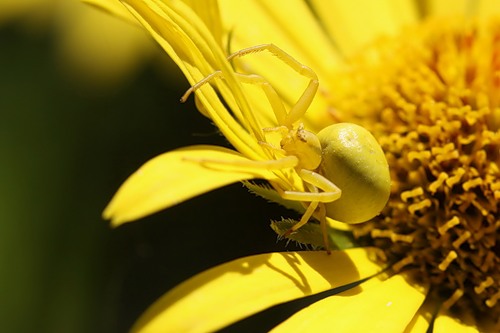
(430,131)
(481,157)
(480,207)
(446,149)
(402,263)
(453,299)
(453,155)
(413,208)
(378,254)
(460,240)
(472,183)
(376,233)
(435,185)
(448,225)
(452,255)
(412,193)
(490,302)
(421,156)
(488,262)
(485,284)
(467,140)
(456,178)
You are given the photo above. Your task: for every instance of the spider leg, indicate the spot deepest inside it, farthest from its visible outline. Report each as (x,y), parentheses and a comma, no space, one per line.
(330,191)
(272,148)
(324,227)
(313,207)
(206,80)
(305,100)
(284,118)
(271,94)
(307,214)
(287,162)
(304,219)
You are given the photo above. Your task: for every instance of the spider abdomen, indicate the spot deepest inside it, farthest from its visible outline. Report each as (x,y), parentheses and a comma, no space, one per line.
(354,161)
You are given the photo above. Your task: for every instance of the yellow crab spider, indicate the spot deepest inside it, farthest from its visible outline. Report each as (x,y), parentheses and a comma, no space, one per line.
(342,167)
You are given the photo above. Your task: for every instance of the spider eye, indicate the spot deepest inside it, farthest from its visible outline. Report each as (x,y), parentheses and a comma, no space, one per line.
(355,162)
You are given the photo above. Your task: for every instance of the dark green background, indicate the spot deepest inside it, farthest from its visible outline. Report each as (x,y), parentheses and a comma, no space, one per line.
(64,151)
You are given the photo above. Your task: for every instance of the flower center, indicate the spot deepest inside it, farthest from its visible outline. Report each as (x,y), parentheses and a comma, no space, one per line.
(432,99)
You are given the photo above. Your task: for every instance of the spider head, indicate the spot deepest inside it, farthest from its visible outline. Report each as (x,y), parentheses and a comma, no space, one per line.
(304,145)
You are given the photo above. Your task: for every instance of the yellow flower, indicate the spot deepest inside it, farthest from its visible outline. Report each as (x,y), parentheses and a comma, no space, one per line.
(424,83)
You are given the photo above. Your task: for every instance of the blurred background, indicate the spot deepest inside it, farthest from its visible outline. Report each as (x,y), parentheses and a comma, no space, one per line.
(84,101)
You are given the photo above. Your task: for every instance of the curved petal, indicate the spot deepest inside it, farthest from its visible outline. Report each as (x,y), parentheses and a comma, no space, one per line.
(307,319)
(423,318)
(208,11)
(419,324)
(229,292)
(385,307)
(176,176)
(187,40)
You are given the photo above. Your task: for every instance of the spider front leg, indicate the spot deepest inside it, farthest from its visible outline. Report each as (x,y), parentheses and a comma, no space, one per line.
(307,214)
(283,117)
(330,191)
(271,94)
(317,200)
(320,210)
(300,107)
(206,80)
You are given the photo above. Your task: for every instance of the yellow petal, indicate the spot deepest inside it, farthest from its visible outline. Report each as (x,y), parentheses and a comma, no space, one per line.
(187,40)
(353,24)
(444,323)
(423,318)
(235,290)
(208,11)
(176,176)
(338,225)
(419,324)
(307,319)
(386,307)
